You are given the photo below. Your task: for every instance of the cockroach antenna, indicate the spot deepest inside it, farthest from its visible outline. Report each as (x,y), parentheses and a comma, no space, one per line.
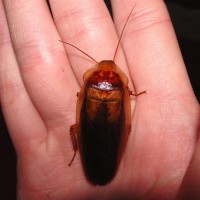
(79,50)
(122,32)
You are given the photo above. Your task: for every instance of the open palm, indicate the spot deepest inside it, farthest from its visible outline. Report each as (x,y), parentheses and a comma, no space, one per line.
(40,78)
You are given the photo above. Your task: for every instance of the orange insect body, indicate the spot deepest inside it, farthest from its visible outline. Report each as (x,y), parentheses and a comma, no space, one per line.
(103,119)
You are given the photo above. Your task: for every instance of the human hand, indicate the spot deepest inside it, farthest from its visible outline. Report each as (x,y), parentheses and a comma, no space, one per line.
(40,78)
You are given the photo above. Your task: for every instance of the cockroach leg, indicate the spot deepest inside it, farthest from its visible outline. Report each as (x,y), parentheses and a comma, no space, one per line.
(73,134)
(137,94)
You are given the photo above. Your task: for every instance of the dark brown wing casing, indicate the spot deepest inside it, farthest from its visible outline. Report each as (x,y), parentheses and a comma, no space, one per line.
(103,120)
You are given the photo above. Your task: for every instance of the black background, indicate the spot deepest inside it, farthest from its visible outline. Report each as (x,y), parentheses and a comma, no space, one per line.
(185,17)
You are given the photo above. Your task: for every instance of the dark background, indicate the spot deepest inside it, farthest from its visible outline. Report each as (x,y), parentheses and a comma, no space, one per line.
(186,19)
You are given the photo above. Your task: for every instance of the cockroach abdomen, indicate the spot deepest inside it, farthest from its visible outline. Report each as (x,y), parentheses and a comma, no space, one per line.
(100,146)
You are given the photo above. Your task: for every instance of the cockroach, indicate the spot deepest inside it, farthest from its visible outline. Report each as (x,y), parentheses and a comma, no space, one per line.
(103,119)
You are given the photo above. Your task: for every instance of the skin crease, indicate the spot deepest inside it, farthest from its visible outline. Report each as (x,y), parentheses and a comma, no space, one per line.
(39,79)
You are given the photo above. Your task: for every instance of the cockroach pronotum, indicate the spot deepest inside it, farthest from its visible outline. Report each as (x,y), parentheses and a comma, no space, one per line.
(103,119)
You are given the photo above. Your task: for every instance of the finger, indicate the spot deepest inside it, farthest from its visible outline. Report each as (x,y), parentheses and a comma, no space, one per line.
(151,48)
(88,25)
(24,123)
(43,64)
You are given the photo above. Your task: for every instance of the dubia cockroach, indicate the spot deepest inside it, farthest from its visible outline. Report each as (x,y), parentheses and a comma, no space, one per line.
(103,119)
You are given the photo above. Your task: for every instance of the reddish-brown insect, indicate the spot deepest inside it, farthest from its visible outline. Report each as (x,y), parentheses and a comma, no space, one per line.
(103,119)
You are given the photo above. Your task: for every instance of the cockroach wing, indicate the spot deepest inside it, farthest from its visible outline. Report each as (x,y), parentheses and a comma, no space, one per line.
(103,121)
